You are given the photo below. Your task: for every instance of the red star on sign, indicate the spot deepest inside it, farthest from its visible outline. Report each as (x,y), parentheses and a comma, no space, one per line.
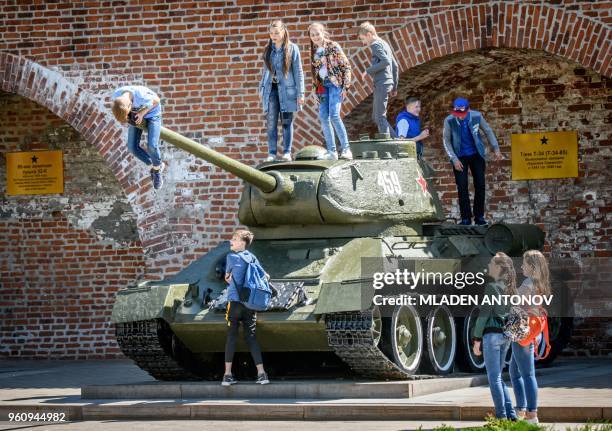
(422,183)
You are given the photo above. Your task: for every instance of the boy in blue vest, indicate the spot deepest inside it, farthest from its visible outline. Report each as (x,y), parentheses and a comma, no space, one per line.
(464,147)
(235,271)
(408,124)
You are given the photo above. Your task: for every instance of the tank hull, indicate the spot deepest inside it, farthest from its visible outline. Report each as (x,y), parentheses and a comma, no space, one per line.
(338,317)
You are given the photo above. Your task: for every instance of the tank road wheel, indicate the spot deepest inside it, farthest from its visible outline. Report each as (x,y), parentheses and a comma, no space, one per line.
(440,341)
(403,333)
(466,360)
(355,337)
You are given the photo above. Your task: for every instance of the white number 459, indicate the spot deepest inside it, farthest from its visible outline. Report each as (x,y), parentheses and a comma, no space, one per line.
(389,181)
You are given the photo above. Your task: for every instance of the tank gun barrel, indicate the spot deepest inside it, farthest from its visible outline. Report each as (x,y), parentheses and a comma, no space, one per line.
(265,182)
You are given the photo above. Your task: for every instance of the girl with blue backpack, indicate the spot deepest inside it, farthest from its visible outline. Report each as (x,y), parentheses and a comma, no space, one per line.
(237,263)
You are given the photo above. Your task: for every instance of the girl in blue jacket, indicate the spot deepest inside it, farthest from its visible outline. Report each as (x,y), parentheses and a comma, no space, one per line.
(281,87)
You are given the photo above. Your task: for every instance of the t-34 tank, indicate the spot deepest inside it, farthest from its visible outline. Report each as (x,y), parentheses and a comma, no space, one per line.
(314,220)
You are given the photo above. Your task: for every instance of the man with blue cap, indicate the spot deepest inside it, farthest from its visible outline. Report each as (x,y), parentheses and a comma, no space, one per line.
(464,147)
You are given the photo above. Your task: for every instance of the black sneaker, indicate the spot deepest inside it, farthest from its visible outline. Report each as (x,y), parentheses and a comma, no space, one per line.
(481,222)
(466,222)
(262,379)
(228,380)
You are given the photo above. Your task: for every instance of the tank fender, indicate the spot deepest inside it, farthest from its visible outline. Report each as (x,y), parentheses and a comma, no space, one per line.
(344,287)
(351,295)
(148,302)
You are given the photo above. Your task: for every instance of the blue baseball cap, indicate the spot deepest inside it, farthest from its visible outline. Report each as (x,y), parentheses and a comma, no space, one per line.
(460,103)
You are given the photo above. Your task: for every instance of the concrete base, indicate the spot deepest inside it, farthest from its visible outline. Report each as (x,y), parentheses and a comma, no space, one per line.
(282,389)
(276,410)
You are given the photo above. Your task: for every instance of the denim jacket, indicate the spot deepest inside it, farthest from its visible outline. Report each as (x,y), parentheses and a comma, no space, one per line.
(451,135)
(290,87)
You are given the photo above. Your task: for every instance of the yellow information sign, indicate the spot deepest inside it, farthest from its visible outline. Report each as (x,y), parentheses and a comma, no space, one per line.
(544,155)
(35,173)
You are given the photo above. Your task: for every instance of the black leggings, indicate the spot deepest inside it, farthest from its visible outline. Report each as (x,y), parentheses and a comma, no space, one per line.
(234,314)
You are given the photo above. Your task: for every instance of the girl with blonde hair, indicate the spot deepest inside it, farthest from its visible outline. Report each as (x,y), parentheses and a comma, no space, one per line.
(331,75)
(522,365)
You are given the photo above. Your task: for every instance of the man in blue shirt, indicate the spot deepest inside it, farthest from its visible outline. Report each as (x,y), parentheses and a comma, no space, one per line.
(464,147)
(408,124)
(135,104)
(235,272)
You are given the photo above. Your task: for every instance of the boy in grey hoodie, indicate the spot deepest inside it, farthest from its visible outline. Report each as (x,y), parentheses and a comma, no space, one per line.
(385,74)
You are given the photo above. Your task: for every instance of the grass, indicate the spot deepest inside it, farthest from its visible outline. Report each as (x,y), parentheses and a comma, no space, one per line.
(506,425)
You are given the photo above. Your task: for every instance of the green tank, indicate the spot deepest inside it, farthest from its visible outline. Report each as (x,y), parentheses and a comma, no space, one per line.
(314,220)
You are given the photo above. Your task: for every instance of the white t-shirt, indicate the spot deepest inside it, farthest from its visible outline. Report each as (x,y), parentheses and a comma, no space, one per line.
(323,70)
(402,128)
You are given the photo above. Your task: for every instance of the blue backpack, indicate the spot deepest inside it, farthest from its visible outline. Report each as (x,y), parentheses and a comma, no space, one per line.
(255,292)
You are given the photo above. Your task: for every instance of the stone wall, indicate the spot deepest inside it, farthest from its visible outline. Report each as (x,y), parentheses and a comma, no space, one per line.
(62,257)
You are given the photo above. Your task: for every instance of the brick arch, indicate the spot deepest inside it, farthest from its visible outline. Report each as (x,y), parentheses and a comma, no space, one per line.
(82,110)
(87,114)
(555,30)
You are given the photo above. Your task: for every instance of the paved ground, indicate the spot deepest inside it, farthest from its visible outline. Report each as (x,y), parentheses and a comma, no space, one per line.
(567,391)
(588,381)
(253,426)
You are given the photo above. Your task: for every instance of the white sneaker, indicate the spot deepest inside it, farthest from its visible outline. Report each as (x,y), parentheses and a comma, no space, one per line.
(534,420)
(270,158)
(162,167)
(332,155)
(346,154)
(286,157)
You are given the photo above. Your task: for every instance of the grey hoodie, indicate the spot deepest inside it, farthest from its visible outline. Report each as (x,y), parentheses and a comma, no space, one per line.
(384,69)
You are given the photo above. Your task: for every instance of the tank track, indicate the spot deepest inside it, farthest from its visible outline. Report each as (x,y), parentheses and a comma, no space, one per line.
(141,341)
(350,336)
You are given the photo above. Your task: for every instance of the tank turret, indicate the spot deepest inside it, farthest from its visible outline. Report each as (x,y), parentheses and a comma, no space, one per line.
(383,189)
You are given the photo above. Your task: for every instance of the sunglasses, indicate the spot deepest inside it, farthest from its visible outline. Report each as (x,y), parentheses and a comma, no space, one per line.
(460,108)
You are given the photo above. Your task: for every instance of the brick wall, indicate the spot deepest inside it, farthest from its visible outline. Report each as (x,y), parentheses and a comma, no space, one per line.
(203,58)
(62,258)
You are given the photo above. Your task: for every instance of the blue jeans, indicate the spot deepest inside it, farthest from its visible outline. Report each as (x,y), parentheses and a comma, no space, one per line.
(152,156)
(522,375)
(494,348)
(272,124)
(329,114)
